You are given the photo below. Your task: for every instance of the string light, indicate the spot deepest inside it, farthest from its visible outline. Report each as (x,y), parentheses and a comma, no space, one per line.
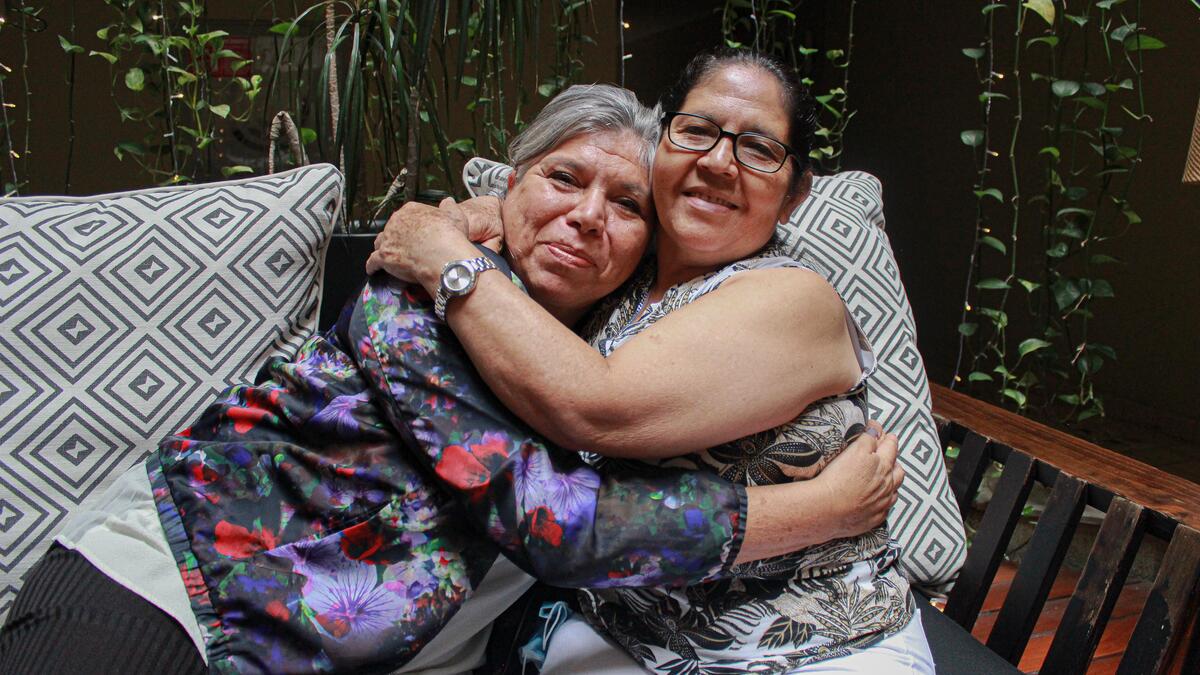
(967,305)
(625,25)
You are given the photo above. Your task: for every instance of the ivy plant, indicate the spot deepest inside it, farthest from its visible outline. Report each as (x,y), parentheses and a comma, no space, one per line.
(773,27)
(1070,84)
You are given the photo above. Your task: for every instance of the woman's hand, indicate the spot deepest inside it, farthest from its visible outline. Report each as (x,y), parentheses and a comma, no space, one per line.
(861,483)
(851,496)
(419,239)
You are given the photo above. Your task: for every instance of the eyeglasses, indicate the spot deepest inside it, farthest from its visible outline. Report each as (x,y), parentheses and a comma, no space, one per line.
(750,149)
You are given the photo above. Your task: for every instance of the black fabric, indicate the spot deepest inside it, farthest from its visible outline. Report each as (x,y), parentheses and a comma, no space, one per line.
(955,651)
(71,618)
(517,626)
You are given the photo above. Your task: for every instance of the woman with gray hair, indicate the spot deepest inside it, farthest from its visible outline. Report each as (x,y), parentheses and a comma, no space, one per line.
(330,516)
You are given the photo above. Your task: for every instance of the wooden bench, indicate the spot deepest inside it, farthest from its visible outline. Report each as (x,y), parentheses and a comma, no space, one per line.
(1138,501)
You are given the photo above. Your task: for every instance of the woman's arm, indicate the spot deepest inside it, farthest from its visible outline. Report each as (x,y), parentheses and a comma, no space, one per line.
(747,357)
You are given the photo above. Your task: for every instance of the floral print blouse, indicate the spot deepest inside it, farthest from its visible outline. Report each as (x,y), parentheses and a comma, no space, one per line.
(774,615)
(336,514)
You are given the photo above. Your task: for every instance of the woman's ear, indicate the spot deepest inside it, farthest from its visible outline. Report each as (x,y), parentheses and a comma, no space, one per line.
(798,195)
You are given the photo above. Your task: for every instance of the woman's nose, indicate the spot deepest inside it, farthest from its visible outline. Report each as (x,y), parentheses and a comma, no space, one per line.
(720,159)
(588,214)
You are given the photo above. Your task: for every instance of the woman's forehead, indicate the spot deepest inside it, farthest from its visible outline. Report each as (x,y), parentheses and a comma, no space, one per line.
(619,154)
(746,94)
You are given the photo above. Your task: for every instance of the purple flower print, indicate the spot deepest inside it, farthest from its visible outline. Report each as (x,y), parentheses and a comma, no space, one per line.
(340,414)
(352,608)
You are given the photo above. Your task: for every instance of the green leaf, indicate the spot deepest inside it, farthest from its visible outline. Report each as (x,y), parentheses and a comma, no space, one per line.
(988,9)
(979,377)
(1031,345)
(992,284)
(952,451)
(1069,399)
(1029,286)
(308,135)
(1094,88)
(994,243)
(1108,352)
(990,192)
(462,145)
(129,147)
(1123,31)
(998,317)
(990,95)
(972,137)
(1050,150)
(1143,43)
(469,81)
(1002,370)
(282,28)
(104,55)
(1044,8)
(1064,88)
(135,79)
(1065,292)
(975,53)
(1108,4)
(783,13)
(1015,396)
(228,171)
(1131,216)
(1102,289)
(1077,19)
(1059,250)
(221,110)
(68,47)
(1091,102)
(1103,259)
(967,329)
(1075,193)
(1071,211)
(1048,40)
(546,90)
(205,38)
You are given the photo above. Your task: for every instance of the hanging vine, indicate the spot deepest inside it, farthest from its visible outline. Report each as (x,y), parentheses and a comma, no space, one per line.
(773,27)
(1025,332)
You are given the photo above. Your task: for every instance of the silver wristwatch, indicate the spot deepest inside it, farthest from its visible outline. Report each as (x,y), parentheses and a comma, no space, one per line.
(458,279)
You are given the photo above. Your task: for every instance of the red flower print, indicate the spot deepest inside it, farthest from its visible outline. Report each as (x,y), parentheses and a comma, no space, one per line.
(244,419)
(543,526)
(461,469)
(278,610)
(361,541)
(234,541)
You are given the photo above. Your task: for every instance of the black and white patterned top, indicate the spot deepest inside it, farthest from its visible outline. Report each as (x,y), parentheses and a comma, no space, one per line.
(776,614)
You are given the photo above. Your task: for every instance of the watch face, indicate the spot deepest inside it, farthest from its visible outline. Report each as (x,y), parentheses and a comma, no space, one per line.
(457,277)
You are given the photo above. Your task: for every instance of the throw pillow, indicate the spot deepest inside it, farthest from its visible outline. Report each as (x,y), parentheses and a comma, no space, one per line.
(839,231)
(123,315)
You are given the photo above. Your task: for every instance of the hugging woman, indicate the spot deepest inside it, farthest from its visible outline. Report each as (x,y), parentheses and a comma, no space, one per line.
(720,356)
(345,511)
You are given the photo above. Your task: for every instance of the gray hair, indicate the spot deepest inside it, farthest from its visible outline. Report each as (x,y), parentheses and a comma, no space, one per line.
(584,109)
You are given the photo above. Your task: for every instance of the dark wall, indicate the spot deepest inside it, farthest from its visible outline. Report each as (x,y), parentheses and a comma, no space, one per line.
(915,91)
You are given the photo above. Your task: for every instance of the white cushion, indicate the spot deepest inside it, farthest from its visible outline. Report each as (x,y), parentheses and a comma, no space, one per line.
(839,231)
(123,315)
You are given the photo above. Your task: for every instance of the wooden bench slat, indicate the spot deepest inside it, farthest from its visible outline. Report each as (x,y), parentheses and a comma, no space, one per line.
(991,540)
(1038,569)
(1098,588)
(973,460)
(1175,497)
(1170,605)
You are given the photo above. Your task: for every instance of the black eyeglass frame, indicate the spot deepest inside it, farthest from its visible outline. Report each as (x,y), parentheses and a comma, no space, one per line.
(722,133)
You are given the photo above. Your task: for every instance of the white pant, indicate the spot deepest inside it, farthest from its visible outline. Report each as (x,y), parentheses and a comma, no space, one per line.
(576,647)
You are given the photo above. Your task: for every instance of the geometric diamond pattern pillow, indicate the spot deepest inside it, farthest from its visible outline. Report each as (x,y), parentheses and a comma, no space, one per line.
(839,231)
(123,315)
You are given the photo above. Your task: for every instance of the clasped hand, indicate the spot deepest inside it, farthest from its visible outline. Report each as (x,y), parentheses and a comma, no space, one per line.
(417,238)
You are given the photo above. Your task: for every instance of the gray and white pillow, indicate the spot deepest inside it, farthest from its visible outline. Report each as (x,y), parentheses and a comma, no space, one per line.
(839,231)
(123,315)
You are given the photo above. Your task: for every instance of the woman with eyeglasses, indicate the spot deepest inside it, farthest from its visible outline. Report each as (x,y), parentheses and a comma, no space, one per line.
(718,336)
